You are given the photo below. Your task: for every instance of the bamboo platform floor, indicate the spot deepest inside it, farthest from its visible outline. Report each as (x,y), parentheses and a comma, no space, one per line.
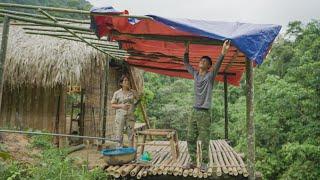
(225,163)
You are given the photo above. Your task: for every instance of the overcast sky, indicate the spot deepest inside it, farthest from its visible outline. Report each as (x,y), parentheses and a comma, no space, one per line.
(254,11)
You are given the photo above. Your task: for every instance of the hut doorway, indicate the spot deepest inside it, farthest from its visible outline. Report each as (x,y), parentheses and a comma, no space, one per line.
(75,113)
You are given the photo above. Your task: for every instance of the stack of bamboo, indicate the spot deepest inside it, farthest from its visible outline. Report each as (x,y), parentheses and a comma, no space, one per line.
(223,160)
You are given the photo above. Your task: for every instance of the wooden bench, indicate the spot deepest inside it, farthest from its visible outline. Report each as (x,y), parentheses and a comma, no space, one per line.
(170,134)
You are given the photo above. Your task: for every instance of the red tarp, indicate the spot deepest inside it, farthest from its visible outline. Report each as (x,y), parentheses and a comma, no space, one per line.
(165,57)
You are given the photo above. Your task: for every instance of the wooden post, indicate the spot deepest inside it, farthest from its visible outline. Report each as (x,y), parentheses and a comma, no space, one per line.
(143,109)
(3,52)
(102,92)
(57,121)
(105,97)
(225,107)
(81,128)
(250,119)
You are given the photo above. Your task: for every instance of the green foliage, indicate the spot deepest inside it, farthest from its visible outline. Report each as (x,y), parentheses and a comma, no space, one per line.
(42,142)
(12,170)
(52,163)
(287,93)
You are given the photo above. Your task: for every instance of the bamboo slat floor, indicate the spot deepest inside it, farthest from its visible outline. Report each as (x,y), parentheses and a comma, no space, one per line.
(224,162)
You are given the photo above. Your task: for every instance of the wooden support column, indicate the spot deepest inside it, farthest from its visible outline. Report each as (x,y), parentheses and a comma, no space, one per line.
(143,109)
(226,132)
(82,109)
(105,97)
(3,52)
(250,119)
(57,120)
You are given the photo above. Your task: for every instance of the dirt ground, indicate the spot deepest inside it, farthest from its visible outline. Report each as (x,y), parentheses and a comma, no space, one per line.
(90,155)
(18,146)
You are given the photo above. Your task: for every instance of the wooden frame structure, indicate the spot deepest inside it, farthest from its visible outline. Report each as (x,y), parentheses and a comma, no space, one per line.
(37,24)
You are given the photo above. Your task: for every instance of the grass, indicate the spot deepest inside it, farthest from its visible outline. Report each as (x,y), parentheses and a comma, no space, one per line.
(51,164)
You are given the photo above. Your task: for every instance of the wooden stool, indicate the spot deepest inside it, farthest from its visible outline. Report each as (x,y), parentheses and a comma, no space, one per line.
(170,134)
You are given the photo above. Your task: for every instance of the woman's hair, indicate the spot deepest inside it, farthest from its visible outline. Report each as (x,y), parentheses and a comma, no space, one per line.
(122,78)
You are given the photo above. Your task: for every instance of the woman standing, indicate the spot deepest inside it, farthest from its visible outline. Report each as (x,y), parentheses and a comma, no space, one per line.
(124,101)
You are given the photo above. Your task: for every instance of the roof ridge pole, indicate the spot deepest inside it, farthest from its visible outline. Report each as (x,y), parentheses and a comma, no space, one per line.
(3,53)
(250,119)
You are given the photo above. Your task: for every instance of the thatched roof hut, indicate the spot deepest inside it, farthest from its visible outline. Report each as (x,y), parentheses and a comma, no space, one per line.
(37,73)
(46,61)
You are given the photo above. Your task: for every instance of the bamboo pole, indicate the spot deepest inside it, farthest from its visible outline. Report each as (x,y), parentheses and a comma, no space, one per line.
(64,10)
(113,169)
(174,163)
(242,165)
(139,175)
(43,17)
(3,53)
(225,87)
(72,39)
(108,168)
(73,33)
(225,158)
(181,161)
(56,30)
(144,113)
(210,169)
(215,158)
(164,165)
(250,119)
(47,23)
(135,170)
(54,134)
(220,159)
(186,171)
(117,173)
(239,169)
(27,24)
(153,133)
(163,157)
(104,103)
(90,37)
(230,159)
(119,55)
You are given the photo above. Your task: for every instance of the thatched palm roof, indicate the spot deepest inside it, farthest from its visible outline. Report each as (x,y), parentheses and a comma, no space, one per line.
(45,61)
